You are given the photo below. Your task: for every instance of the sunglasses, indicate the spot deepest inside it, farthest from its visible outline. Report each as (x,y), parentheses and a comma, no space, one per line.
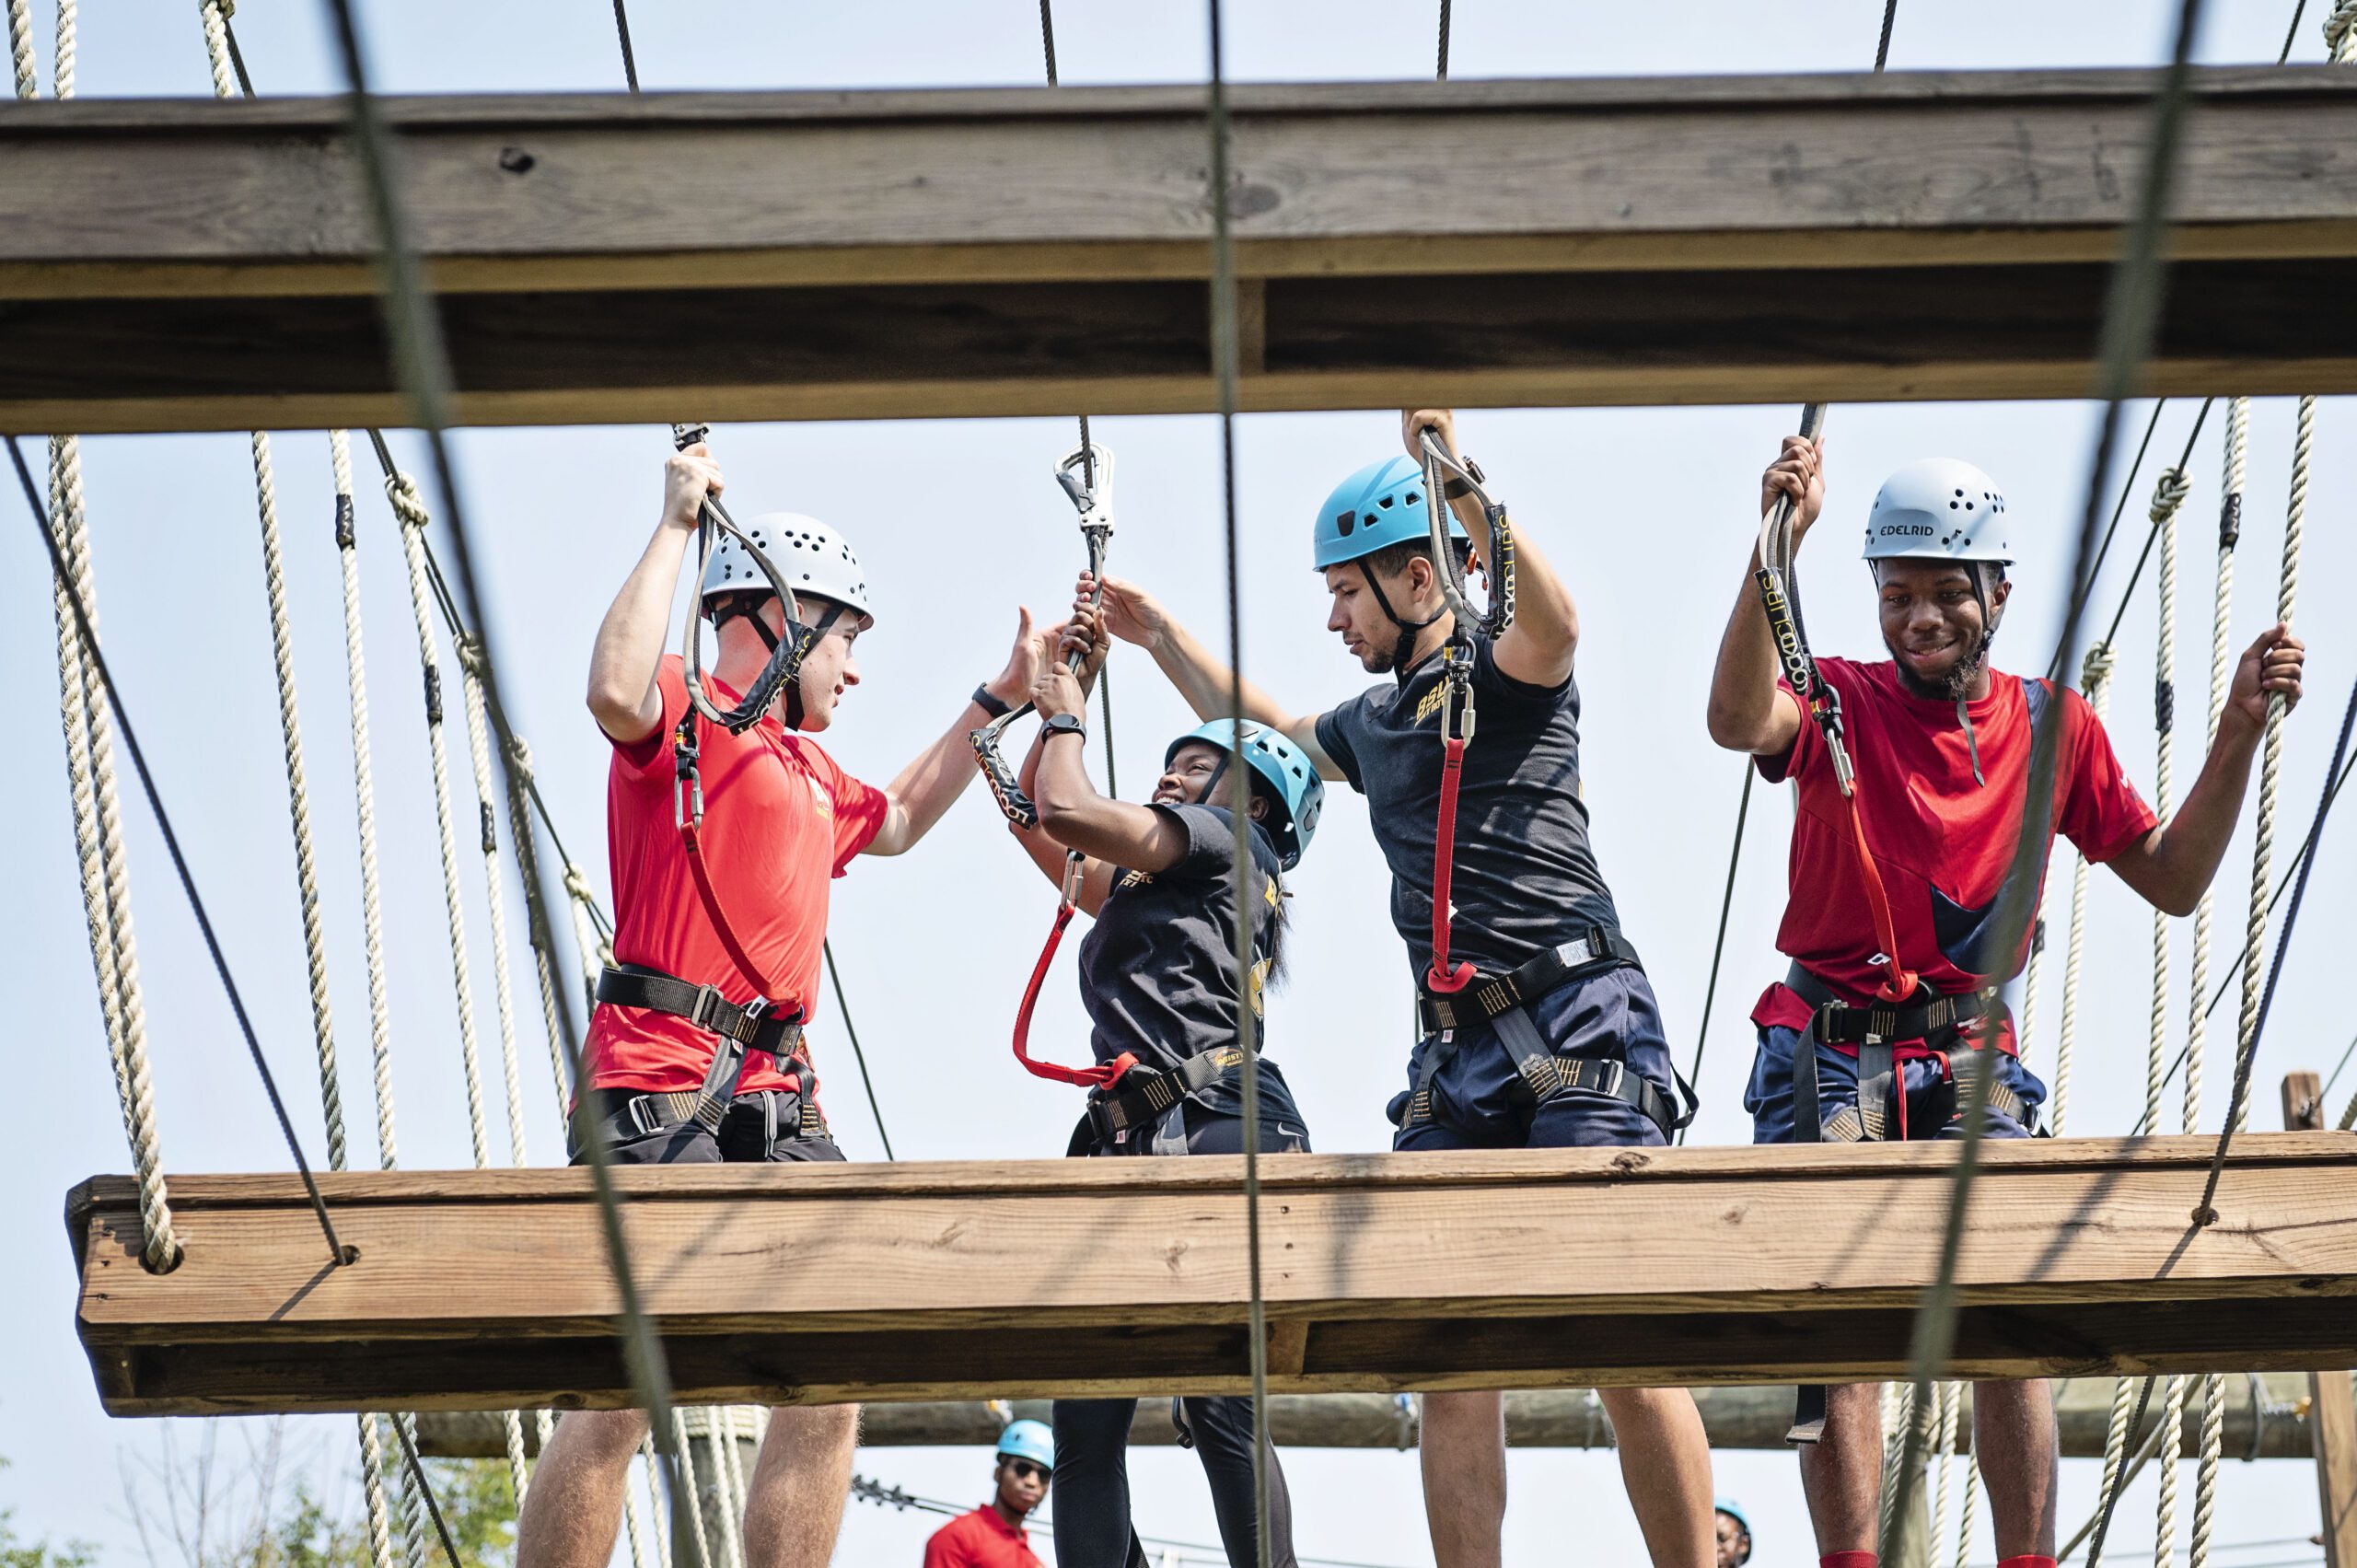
(1026,1469)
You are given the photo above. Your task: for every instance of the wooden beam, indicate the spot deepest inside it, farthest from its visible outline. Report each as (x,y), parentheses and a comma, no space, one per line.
(2266,1418)
(1539,1269)
(170,264)
(2332,1399)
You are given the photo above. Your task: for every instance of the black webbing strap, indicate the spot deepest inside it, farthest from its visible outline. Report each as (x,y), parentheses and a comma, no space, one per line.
(1935,1020)
(1594,950)
(1145,1096)
(1548,1074)
(740,1027)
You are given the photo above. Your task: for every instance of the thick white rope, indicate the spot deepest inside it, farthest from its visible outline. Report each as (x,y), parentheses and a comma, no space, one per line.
(372,1481)
(401,491)
(2168,495)
(413,1520)
(1951,1403)
(519,823)
(2205,1479)
(364,790)
(1899,1414)
(2272,757)
(299,798)
(688,1495)
(2025,1018)
(2094,684)
(89,723)
(1972,1493)
(648,1467)
(479,755)
(2172,1450)
(633,1525)
(729,1483)
(2115,1442)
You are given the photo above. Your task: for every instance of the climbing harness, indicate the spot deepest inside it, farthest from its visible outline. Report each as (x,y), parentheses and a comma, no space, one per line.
(785,666)
(1086,474)
(1457,711)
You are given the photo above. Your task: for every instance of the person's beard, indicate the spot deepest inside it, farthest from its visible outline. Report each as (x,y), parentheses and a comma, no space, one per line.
(1953,687)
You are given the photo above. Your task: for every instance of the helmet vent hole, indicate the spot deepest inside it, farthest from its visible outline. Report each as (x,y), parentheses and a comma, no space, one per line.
(1385,502)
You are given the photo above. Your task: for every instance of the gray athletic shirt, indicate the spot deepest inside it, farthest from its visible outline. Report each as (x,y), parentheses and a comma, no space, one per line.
(1524,879)
(1157,971)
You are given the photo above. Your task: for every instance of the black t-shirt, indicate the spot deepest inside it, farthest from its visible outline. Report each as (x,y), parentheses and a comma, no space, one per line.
(1157,971)
(1524,879)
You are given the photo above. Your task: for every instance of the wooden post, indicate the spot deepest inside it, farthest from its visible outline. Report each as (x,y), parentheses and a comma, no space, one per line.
(2332,1410)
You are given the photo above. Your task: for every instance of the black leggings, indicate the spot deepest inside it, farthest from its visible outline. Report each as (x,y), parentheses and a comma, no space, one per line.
(1092,1486)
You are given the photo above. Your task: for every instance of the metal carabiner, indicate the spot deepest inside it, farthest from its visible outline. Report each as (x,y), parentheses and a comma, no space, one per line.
(1086,475)
(1075,865)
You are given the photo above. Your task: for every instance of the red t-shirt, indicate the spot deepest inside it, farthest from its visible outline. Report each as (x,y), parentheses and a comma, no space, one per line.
(980,1539)
(1940,841)
(781,821)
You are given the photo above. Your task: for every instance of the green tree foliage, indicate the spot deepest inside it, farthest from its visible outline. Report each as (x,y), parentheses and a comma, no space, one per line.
(17,1553)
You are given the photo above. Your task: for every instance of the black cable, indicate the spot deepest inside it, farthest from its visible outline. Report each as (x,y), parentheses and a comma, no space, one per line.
(843,1005)
(2235,968)
(337,1250)
(2325,1093)
(2119,509)
(2292,34)
(426,1487)
(1048,47)
(621,30)
(1719,948)
(2120,1482)
(1882,45)
(1442,73)
(2131,320)
(422,362)
(2153,535)
(237,55)
(2205,1214)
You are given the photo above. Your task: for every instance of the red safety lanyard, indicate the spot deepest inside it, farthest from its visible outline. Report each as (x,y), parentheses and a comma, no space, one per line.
(1899,982)
(1455,730)
(687,813)
(1103,1075)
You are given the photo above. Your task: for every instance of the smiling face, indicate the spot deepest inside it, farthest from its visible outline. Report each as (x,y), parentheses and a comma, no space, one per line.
(1934,625)
(1734,1541)
(1191,769)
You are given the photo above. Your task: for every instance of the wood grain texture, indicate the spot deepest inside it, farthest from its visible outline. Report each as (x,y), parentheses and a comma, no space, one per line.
(185,265)
(1546,1269)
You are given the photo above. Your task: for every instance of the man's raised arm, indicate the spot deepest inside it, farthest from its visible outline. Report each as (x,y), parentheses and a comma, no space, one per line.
(1746,713)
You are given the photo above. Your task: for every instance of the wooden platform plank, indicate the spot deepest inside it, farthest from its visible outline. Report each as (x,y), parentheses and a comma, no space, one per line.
(1548,1269)
(176,265)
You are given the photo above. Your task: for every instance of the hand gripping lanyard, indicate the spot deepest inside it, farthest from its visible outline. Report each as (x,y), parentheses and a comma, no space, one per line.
(1103,1075)
(785,664)
(1780,596)
(1443,469)
(1086,475)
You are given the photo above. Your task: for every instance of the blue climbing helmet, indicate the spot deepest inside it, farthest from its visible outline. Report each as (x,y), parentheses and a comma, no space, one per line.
(1028,1440)
(1380,506)
(1283,768)
(1733,1510)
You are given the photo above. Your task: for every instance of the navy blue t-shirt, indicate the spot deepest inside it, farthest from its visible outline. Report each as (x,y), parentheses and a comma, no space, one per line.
(1524,879)
(1157,971)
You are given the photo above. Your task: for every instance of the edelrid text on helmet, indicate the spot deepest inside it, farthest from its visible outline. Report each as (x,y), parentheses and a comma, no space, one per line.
(1939,509)
(1380,506)
(814,558)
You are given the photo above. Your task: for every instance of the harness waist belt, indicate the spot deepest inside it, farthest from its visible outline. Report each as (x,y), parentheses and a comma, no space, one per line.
(1145,1095)
(1839,1021)
(1599,948)
(753,1025)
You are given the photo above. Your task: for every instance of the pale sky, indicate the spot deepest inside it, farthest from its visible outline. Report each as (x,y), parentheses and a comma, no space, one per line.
(1649,513)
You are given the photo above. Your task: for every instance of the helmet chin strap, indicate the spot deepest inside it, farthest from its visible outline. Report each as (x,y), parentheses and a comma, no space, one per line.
(1203,796)
(1408,629)
(792,693)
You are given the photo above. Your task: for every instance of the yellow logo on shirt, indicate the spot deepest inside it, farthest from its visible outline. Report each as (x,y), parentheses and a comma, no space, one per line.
(1430,702)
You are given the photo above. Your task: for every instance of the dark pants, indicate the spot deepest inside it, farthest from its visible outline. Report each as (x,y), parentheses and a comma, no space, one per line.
(1092,1486)
(761,1126)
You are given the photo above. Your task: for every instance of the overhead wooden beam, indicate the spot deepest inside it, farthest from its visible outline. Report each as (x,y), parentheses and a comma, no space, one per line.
(2266,1418)
(170,264)
(1050,1277)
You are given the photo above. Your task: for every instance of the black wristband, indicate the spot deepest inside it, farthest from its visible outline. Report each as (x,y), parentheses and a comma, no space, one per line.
(1064,724)
(988,701)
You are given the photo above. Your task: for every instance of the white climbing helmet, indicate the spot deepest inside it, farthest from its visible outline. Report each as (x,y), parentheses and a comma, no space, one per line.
(812,557)
(1939,509)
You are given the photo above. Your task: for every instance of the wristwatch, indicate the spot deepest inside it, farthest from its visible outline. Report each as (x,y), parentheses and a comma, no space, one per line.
(1064,724)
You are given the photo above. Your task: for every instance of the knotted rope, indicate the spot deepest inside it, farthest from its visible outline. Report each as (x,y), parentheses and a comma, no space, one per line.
(88,721)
